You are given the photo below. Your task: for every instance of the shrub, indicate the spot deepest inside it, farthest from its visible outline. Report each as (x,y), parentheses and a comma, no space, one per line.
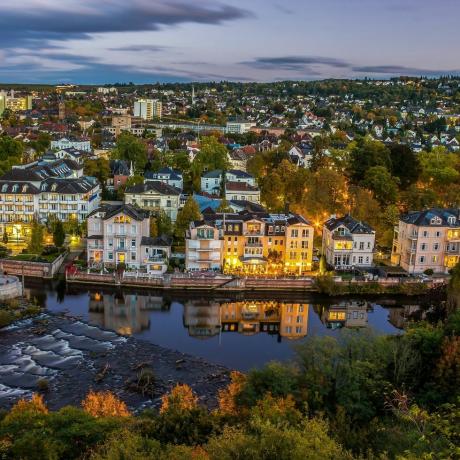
(43,385)
(428,272)
(104,404)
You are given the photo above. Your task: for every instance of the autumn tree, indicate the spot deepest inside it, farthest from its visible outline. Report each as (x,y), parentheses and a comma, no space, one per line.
(180,398)
(227,397)
(104,404)
(189,213)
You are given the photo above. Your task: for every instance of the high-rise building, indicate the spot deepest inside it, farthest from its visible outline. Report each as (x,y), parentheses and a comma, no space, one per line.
(147,109)
(10,101)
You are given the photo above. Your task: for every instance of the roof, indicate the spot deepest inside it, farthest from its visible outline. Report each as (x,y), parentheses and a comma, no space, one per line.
(353,225)
(240,187)
(119,168)
(111,210)
(162,240)
(215,174)
(157,186)
(240,174)
(80,185)
(18,187)
(425,218)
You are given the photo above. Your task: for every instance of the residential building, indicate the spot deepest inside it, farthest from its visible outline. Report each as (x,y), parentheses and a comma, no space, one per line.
(241,191)
(120,172)
(119,233)
(107,90)
(427,240)
(68,143)
(13,103)
(348,243)
(147,109)
(211,182)
(352,314)
(166,175)
(252,243)
(154,196)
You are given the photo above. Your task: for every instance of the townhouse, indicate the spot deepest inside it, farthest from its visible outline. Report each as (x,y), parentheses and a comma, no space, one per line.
(248,242)
(155,196)
(427,240)
(348,243)
(119,234)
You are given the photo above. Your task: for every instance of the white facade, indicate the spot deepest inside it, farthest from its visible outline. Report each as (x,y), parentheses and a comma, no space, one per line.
(348,243)
(238,127)
(147,109)
(65,143)
(203,248)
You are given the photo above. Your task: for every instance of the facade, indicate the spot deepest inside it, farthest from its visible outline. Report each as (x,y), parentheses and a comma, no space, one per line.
(40,191)
(167,176)
(348,243)
(15,104)
(66,143)
(241,191)
(155,196)
(238,126)
(147,109)
(252,243)
(120,234)
(427,240)
(120,172)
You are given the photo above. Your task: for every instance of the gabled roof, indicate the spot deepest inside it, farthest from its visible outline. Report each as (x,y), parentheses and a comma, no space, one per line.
(215,174)
(111,210)
(157,186)
(240,187)
(240,174)
(353,225)
(162,240)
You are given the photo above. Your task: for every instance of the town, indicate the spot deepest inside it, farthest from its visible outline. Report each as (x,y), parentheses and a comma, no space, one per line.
(294,179)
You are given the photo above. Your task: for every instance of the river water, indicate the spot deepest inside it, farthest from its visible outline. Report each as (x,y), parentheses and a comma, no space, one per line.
(240,332)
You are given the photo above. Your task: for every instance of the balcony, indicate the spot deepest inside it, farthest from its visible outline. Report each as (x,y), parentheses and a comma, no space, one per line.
(253,245)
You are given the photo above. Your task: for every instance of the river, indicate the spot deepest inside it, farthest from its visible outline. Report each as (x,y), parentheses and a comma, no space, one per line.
(239,333)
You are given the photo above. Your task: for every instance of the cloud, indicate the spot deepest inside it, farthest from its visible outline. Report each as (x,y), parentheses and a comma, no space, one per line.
(400,70)
(295,63)
(139,48)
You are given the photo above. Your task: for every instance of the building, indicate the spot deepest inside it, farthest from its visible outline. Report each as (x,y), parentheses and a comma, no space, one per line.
(241,191)
(427,240)
(352,314)
(42,191)
(147,109)
(348,243)
(120,172)
(211,182)
(166,175)
(119,233)
(107,90)
(238,126)
(250,243)
(155,196)
(13,103)
(68,143)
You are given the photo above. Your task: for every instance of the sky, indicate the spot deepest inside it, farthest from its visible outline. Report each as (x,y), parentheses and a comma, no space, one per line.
(148,41)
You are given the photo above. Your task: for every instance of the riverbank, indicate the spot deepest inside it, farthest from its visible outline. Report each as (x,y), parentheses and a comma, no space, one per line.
(63,358)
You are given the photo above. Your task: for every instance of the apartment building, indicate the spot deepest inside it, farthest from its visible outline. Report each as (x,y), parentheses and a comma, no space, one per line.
(427,240)
(348,243)
(13,103)
(120,172)
(251,243)
(238,126)
(40,191)
(119,233)
(155,196)
(241,191)
(147,109)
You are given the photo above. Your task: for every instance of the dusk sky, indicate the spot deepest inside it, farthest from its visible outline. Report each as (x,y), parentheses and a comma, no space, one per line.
(108,41)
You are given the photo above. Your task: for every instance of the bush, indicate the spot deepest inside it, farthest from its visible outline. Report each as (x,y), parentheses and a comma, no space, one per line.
(43,385)
(428,272)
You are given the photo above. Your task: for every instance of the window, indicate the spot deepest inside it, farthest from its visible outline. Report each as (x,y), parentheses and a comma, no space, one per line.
(133,229)
(288,329)
(451,220)
(422,259)
(423,247)
(305,233)
(361,245)
(368,245)
(133,256)
(110,255)
(360,259)
(133,243)
(438,234)
(292,255)
(435,246)
(434,259)
(294,233)
(425,234)
(304,244)
(110,229)
(299,319)
(298,329)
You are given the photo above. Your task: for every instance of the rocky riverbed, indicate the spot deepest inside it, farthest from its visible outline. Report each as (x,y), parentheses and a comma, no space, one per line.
(63,358)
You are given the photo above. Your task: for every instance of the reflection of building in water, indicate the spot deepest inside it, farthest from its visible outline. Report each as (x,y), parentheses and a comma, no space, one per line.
(124,313)
(398,317)
(289,320)
(346,314)
(201,317)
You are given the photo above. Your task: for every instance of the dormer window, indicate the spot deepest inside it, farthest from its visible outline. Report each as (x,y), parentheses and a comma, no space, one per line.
(451,220)
(24,188)
(53,187)
(43,187)
(436,221)
(15,187)
(4,187)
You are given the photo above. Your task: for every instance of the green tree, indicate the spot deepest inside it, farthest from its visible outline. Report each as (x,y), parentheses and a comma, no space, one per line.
(404,164)
(164,224)
(189,213)
(59,234)
(379,180)
(130,148)
(5,237)
(99,168)
(36,239)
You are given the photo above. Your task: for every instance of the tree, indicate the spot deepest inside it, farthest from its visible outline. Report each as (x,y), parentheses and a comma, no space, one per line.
(5,237)
(104,404)
(404,164)
(164,224)
(364,155)
(58,234)
(130,148)
(185,216)
(224,206)
(99,168)
(36,239)
(379,180)
(180,398)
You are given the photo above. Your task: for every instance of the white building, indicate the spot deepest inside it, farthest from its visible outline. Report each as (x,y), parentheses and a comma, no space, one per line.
(120,234)
(238,126)
(147,109)
(348,243)
(167,176)
(211,182)
(107,90)
(203,247)
(241,191)
(67,143)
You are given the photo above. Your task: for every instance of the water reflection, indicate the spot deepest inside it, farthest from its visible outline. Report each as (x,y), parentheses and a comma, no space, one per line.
(352,314)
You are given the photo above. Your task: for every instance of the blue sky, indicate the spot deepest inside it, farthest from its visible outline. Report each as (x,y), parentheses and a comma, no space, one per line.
(105,41)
